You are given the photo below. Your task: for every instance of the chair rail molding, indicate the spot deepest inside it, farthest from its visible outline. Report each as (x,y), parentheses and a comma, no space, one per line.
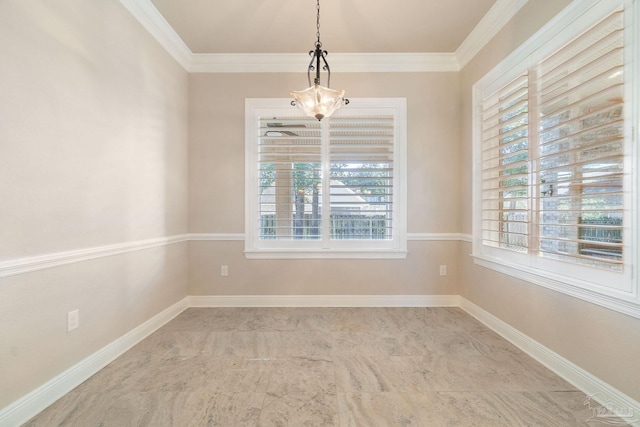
(17,266)
(40,262)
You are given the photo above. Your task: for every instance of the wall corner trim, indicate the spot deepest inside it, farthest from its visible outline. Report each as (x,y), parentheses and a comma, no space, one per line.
(36,401)
(592,386)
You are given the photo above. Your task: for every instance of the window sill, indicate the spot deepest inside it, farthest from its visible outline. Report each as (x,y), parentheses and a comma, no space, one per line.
(324,254)
(626,303)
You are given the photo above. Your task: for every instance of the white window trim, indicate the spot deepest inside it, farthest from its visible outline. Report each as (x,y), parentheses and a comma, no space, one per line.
(393,249)
(554,34)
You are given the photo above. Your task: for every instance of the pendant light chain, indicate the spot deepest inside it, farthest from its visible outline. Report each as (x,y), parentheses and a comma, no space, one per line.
(318,42)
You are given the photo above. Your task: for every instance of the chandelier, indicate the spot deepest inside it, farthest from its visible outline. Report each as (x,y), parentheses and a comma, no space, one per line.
(318,101)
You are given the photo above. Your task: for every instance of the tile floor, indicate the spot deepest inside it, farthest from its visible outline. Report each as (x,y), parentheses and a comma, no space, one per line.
(322,367)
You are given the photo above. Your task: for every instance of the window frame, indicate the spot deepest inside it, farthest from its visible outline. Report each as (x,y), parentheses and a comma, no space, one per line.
(584,282)
(256,248)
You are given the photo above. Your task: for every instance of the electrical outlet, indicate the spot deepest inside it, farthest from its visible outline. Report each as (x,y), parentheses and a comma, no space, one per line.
(73,320)
(224,270)
(443,270)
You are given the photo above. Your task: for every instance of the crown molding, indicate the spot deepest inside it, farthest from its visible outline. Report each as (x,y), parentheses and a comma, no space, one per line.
(345,62)
(147,14)
(497,17)
(153,21)
(395,62)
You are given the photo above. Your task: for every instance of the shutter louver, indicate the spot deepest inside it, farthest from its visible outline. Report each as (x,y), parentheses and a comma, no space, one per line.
(505,167)
(581,148)
(290,176)
(361,177)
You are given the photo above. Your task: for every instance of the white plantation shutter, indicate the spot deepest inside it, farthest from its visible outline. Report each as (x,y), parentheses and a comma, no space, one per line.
(505,167)
(290,173)
(555,149)
(325,189)
(573,211)
(361,151)
(581,150)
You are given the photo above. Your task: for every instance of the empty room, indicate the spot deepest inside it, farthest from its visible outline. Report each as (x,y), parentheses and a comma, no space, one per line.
(319,213)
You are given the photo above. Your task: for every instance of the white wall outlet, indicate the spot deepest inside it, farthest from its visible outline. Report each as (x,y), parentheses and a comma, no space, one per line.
(443,270)
(224,270)
(73,320)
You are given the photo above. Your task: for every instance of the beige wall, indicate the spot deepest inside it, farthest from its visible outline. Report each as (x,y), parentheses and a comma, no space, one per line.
(216,177)
(93,152)
(601,341)
(415,275)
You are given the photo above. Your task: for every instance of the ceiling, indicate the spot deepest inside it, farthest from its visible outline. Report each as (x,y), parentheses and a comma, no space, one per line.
(346,26)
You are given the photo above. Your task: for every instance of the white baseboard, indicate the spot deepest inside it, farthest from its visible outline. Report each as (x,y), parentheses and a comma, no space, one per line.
(33,403)
(592,386)
(324,301)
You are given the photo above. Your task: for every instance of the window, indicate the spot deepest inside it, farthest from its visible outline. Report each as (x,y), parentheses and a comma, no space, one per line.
(553,139)
(581,148)
(334,188)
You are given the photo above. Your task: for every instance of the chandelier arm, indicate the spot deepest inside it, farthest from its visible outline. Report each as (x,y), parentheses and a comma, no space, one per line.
(317,55)
(310,68)
(326,67)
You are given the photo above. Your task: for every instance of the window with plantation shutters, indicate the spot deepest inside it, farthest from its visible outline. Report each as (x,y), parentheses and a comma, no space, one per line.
(325,189)
(554,184)
(505,167)
(581,148)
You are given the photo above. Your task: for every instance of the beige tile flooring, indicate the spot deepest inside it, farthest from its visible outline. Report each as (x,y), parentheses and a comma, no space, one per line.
(322,367)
